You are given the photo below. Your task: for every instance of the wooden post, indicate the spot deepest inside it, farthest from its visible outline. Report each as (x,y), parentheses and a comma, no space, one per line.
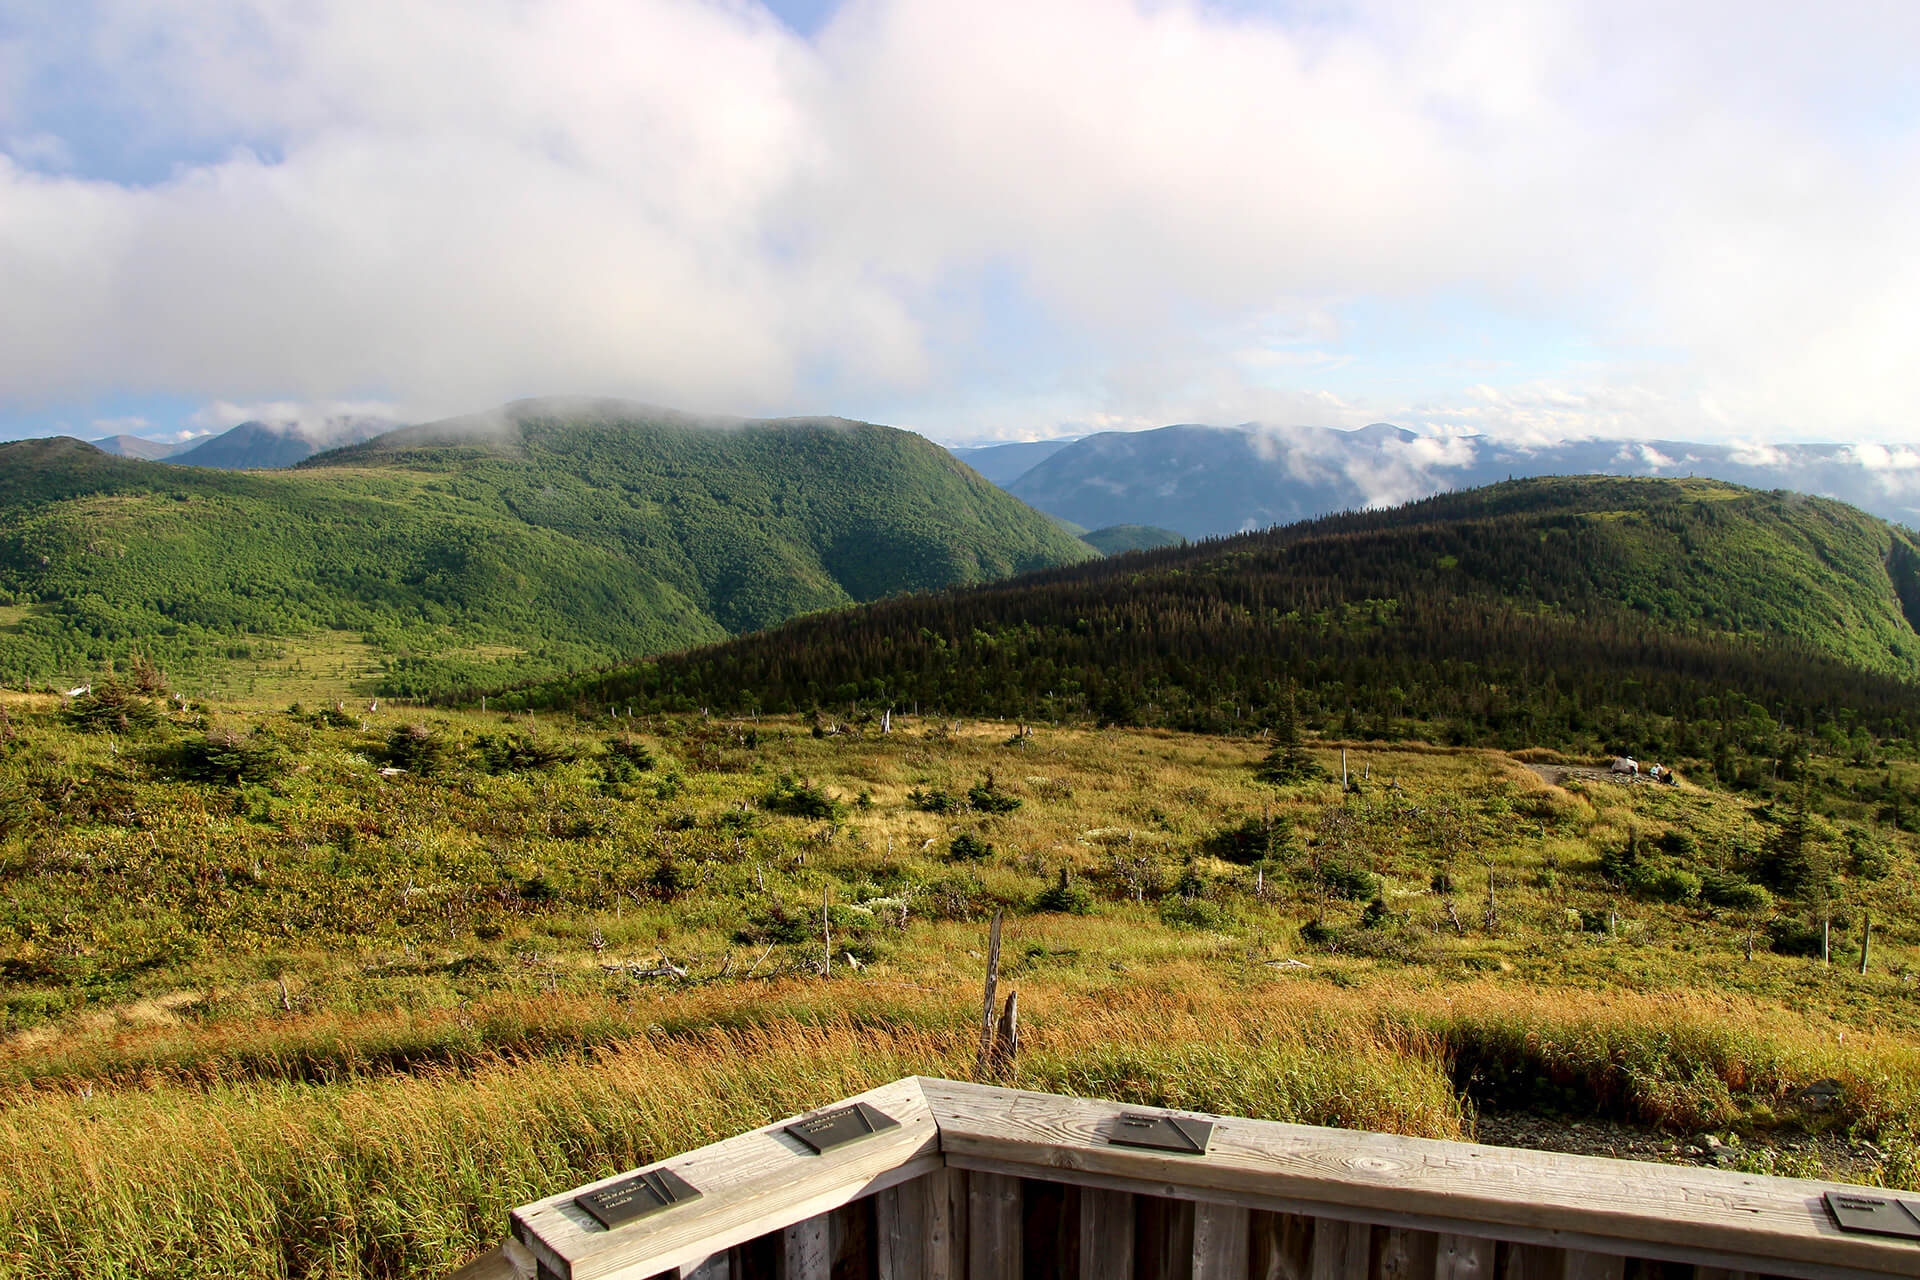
(1006,1038)
(990,991)
(1282,1246)
(995,1248)
(1866,943)
(915,1229)
(1220,1234)
(1106,1234)
(1464,1258)
(1405,1255)
(1343,1250)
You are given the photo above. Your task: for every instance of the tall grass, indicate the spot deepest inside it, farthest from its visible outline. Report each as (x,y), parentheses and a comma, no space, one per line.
(402,1174)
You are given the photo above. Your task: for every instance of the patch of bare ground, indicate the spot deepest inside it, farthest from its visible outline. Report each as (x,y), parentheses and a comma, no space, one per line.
(1832,1156)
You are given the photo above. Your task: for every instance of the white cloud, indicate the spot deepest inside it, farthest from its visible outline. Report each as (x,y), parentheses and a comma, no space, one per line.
(445,203)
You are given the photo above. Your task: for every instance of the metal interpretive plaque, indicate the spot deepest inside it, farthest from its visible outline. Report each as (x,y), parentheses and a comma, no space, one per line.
(840,1126)
(1874,1215)
(636,1197)
(1163,1133)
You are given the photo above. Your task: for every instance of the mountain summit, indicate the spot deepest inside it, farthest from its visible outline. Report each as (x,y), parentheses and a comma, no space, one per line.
(541,537)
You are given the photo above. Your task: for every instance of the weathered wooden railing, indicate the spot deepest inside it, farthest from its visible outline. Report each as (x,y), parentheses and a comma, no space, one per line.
(969,1182)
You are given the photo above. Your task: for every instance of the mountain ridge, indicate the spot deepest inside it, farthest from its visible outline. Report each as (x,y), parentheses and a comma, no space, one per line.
(1204,481)
(457,563)
(1535,611)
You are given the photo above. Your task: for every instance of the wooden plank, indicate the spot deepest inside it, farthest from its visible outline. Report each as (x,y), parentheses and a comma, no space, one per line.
(854,1246)
(1399,1254)
(1341,1250)
(1106,1234)
(1464,1257)
(1221,1235)
(994,1247)
(1163,1238)
(1049,1228)
(1721,1273)
(946,1225)
(1709,1216)
(806,1249)
(900,1227)
(1281,1246)
(919,1226)
(1595,1266)
(750,1185)
(1531,1262)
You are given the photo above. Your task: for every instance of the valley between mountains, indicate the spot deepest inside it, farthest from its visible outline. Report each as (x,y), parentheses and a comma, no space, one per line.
(494,805)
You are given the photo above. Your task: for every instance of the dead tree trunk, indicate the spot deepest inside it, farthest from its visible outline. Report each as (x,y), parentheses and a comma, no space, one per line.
(988,994)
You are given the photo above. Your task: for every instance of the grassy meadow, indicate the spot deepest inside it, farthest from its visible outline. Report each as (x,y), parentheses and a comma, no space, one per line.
(322,992)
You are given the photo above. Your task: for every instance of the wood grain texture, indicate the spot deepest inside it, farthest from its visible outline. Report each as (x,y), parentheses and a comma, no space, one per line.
(1748,1221)
(1399,1254)
(806,1249)
(901,1228)
(1341,1250)
(1281,1247)
(1163,1238)
(717,1267)
(750,1185)
(1221,1234)
(1106,1234)
(995,1248)
(1464,1257)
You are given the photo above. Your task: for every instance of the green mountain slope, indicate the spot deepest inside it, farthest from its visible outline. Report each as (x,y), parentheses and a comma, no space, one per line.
(543,538)
(1537,610)
(1118,538)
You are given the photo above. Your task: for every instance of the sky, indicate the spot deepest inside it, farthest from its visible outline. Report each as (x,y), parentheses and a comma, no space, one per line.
(981,219)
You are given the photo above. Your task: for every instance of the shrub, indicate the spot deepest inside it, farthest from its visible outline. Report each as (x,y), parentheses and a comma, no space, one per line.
(986,797)
(224,755)
(1192,913)
(624,746)
(417,749)
(517,751)
(1724,889)
(781,924)
(967,847)
(1673,884)
(1248,842)
(1344,880)
(1376,914)
(670,879)
(1789,936)
(933,800)
(1064,896)
(112,707)
(1680,844)
(802,799)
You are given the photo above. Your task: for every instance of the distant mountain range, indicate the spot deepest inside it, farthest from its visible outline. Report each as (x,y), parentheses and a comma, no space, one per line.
(542,537)
(1005,463)
(250,446)
(125,446)
(1206,480)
